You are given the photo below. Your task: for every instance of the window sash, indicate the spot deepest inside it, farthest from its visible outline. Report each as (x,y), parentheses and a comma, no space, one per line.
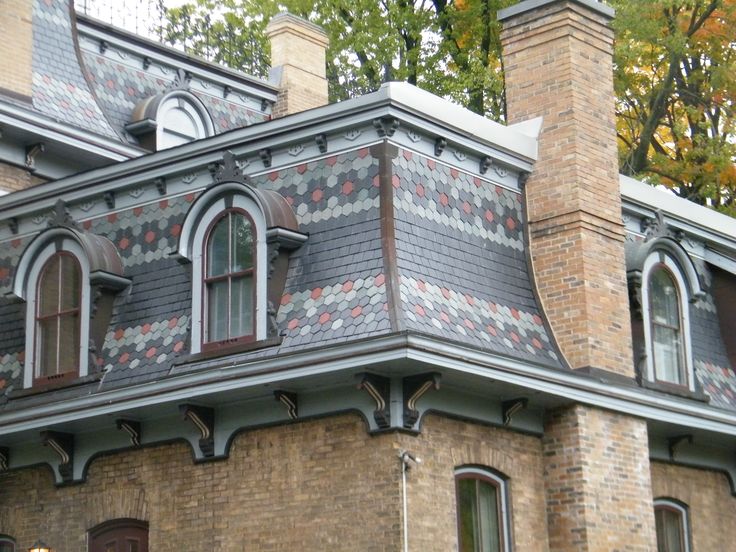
(480,518)
(670,527)
(665,326)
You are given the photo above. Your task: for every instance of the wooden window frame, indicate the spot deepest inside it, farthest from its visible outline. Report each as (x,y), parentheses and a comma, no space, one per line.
(7,539)
(209,346)
(682,510)
(139,527)
(497,480)
(39,380)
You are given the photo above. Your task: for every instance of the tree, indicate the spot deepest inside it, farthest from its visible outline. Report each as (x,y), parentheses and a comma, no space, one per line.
(676,84)
(675,72)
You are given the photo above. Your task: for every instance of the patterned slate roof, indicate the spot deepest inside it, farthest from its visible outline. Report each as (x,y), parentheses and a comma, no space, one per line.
(60,90)
(461,261)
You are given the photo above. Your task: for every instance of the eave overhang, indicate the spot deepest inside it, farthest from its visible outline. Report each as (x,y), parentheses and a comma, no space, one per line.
(397,355)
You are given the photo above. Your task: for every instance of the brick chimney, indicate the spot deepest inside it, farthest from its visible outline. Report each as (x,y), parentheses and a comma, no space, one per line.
(16,48)
(298,63)
(558,65)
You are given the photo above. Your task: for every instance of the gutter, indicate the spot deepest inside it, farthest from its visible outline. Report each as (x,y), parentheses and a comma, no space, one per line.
(445,356)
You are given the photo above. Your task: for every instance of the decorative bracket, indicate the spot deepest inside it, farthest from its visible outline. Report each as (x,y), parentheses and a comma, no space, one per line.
(147,62)
(226,90)
(204,418)
(13,225)
(32,151)
(511,407)
(104,45)
(321,140)
(386,126)
(674,443)
(132,428)
(290,401)
(439,146)
(523,178)
(160,184)
(265,155)
(109,198)
(379,388)
(485,164)
(63,445)
(414,388)
(4,458)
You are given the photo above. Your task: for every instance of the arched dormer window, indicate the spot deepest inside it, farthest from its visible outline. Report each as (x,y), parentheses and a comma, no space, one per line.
(482,510)
(67,277)
(238,240)
(171,118)
(663,282)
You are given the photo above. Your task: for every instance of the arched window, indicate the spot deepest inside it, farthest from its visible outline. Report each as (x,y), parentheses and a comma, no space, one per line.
(673,527)
(665,321)
(119,535)
(230,280)
(7,544)
(181,119)
(482,511)
(58,328)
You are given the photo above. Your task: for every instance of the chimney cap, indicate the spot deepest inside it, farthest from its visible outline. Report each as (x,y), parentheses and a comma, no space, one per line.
(530,5)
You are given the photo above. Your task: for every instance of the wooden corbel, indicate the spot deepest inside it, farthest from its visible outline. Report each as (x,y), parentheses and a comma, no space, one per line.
(203,418)
(379,388)
(290,401)
(4,458)
(675,443)
(511,407)
(63,445)
(414,388)
(132,428)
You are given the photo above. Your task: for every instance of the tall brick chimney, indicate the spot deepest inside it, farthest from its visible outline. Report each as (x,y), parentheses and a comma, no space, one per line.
(558,65)
(16,47)
(298,62)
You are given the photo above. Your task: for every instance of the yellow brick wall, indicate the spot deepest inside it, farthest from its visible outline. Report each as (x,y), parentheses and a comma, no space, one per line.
(711,506)
(13,178)
(310,486)
(16,46)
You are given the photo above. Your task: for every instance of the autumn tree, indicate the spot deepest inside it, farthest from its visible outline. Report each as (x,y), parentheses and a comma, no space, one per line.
(676,84)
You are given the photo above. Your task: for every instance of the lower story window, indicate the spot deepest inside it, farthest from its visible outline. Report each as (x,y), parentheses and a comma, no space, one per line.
(482,513)
(672,526)
(6,544)
(119,535)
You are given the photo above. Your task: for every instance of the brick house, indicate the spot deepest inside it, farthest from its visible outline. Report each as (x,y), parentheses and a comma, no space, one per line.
(234,317)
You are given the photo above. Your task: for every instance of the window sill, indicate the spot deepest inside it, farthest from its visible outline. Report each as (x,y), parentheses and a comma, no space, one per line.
(673,389)
(63,382)
(226,350)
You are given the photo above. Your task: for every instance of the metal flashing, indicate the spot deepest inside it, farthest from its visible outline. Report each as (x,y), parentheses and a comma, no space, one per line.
(530,5)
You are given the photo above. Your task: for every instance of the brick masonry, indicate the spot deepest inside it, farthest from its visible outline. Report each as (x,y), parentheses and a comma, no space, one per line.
(14,178)
(558,64)
(316,485)
(596,470)
(712,508)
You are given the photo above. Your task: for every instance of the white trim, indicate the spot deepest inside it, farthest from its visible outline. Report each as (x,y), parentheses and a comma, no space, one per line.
(193,242)
(684,513)
(40,255)
(192,107)
(502,485)
(656,258)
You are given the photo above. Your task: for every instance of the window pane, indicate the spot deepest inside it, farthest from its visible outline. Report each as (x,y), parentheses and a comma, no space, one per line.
(241,305)
(48,292)
(69,342)
(467,514)
(217,249)
(217,303)
(670,531)
(70,280)
(242,239)
(488,516)
(667,358)
(6,546)
(665,308)
(47,341)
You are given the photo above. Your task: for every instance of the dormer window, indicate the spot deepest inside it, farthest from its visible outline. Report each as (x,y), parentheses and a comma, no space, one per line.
(663,282)
(170,119)
(230,279)
(58,317)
